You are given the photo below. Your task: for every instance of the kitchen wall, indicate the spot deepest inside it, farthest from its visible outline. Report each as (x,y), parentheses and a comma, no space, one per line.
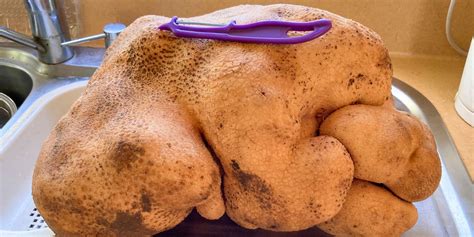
(407,26)
(13,15)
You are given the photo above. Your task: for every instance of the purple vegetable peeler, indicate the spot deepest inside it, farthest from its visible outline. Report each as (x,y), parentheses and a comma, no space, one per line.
(274,32)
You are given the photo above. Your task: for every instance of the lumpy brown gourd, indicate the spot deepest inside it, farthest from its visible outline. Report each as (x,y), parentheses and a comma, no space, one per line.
(169,124)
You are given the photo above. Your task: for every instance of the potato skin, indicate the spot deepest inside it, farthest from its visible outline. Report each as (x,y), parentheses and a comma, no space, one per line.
(267,104)
(423,173)
(371,210)
(128,178)
(296,198)
(389,147)
(141,146)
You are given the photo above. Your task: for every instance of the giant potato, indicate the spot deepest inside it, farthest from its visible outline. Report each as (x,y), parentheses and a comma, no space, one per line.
(165,119)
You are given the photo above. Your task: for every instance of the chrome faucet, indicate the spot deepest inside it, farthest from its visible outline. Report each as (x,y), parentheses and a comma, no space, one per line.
(48,33)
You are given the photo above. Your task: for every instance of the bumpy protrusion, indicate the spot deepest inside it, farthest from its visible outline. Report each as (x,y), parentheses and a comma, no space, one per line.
(371,210)
(389,147)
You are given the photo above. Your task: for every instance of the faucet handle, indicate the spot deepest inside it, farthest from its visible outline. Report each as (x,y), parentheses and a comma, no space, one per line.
(20,38)
(111,32)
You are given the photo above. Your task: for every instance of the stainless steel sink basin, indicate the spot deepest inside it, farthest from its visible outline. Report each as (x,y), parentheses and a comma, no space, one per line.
(15,86)
(25,79)
(15,83)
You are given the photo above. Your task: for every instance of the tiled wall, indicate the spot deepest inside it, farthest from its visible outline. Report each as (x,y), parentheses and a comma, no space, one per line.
(407,26)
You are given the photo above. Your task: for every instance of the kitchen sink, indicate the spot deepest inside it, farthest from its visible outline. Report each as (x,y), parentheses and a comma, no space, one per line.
(45,93)
(42,93)
(24,79)
(15,83)
(18,159)
(15,86)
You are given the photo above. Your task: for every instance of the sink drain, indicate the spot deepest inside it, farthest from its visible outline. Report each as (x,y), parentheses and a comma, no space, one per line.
(7,109)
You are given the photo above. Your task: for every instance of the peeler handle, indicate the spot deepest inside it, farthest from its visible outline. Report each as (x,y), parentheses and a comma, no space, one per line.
(275,32)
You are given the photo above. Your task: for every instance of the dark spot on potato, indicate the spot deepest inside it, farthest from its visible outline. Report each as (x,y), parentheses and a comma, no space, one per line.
(50,204)
(351,81)
(74,205)
(102,221)
(124,153)
(126,224)
(254,185)
(146,202)
(235,165)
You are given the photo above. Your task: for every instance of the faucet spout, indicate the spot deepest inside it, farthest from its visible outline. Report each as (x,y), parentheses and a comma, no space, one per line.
(47,31)
(20,38)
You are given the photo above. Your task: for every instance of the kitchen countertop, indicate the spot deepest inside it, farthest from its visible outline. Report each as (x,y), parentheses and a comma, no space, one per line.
(438,79)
